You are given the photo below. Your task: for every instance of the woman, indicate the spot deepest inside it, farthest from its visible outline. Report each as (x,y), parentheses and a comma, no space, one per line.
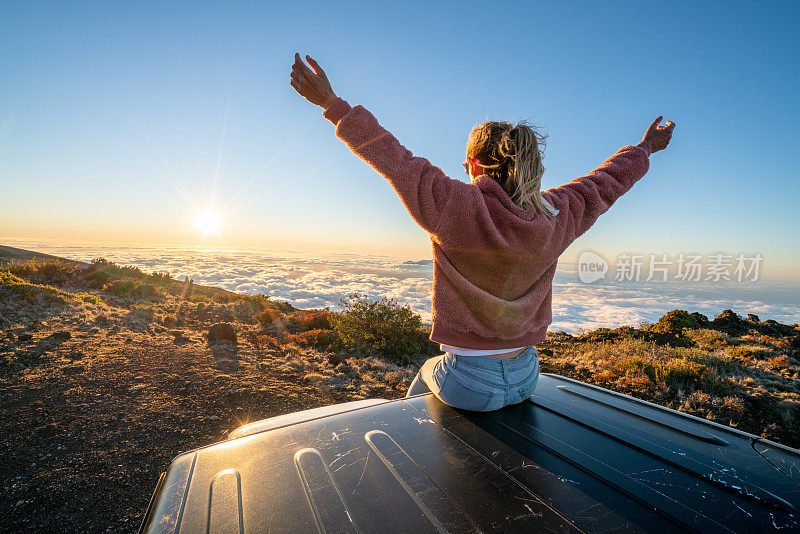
(496,241)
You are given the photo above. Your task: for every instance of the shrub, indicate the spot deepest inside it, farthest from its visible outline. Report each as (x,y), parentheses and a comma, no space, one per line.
(29,292)
(163,276)
(427,347)
(670,372)
(270,316)
(244,310)
(51,272)
(780,362)
(378,327)
(750,352)
(264,340)
(117,271)
(679,371)
(38,293)
(676,321)
(259,301)
(598,335)
(315,320)
(103,272)
(317,338)
(224,297)
(706,338)
(132,288)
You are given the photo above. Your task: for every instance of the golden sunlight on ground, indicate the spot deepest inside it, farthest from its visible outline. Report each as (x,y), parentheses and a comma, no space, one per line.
(207,222)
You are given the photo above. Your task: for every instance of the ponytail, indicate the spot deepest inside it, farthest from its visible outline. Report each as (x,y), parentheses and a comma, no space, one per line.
(512,156)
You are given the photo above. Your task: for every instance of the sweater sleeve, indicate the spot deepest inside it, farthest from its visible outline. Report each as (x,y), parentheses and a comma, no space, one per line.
(588,197)
(423,187)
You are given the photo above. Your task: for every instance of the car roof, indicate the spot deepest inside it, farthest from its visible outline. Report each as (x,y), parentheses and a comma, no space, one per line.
(572,458)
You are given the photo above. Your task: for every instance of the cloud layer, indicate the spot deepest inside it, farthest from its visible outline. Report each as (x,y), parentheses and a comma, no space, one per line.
(309,281)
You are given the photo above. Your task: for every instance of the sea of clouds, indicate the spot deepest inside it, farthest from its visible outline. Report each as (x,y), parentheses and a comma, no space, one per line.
(308,280)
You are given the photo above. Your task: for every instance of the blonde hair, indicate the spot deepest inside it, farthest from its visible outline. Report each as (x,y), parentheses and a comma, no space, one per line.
(512,156)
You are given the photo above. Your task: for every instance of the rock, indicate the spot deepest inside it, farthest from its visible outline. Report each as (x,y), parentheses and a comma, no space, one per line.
(753,318)
(59,337)
(170,321)
(337,358)
(179,336)
(772,327)
(221,332)
(24,337)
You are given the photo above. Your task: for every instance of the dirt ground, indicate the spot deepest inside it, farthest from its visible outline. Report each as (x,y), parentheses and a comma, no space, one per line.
(86,430)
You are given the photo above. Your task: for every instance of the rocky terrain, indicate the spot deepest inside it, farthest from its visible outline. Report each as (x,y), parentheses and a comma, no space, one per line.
(106,373)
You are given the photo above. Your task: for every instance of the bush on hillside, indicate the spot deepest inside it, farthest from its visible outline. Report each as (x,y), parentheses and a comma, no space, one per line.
(676,321)
(382,328)
(318,338)
(49,272)
(269,317)
(315,320)
(128,287)
(12,285)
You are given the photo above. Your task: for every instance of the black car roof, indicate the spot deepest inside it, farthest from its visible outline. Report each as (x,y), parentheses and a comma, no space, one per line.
(573,458)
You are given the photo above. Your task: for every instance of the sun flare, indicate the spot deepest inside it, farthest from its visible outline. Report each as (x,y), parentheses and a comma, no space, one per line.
(207,222)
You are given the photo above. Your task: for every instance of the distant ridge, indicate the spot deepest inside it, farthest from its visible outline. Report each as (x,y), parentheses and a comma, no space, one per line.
(11,253)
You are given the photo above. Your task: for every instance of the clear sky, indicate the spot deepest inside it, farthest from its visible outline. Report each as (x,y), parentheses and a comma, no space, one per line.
(118,122)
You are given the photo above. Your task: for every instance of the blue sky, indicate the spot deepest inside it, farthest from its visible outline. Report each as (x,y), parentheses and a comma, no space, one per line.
(115,119)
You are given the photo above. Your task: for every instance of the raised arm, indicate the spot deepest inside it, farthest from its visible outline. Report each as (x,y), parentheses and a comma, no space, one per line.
(588,197)
(423,187)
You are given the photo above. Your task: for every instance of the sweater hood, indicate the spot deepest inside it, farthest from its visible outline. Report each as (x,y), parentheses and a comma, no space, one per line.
(489,185)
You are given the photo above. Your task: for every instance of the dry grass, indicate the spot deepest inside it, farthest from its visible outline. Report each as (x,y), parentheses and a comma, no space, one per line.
(740,372)
(751,382)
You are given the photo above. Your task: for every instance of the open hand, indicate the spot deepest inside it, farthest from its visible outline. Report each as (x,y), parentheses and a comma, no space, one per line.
(313,85)
(659,136)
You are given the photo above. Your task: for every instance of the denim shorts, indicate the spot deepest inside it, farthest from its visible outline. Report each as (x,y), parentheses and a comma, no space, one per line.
(478,383)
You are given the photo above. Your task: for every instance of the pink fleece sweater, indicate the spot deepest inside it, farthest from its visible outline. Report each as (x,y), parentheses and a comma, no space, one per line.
(493,263)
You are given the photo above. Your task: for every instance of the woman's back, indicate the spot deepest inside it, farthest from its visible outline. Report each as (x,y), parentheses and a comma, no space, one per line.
(493,262)
(495,243)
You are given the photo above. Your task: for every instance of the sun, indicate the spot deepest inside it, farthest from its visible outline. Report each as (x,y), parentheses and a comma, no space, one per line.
(207,222)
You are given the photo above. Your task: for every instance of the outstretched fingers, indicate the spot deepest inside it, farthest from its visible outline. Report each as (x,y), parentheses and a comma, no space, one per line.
(654,125)
(314,65)
(300,64)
